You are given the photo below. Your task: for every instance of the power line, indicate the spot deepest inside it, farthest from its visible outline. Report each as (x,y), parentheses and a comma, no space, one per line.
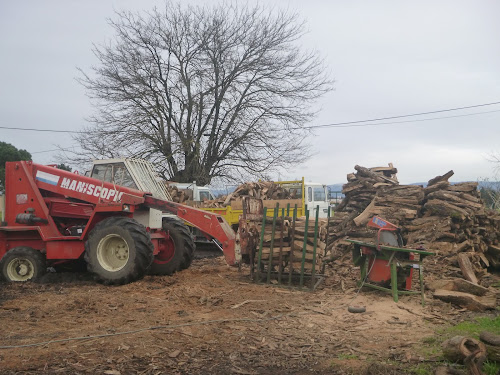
(56,149)
(40,130)
(402,116)
(394,122)
(338,124)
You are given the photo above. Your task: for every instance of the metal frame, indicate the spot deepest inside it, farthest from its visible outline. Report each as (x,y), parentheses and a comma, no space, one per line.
(387,253)
(261,274)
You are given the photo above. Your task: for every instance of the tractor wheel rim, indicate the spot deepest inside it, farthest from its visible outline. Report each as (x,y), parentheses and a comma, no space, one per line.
(20,269)
(113,252)
(166,251)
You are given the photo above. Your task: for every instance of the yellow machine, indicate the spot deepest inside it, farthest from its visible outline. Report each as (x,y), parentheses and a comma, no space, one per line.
(312,195)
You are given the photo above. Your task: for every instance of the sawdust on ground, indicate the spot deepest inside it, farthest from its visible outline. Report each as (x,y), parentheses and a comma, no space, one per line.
(209,319)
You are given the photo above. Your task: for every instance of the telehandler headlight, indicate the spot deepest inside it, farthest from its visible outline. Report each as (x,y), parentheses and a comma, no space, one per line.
(126,208)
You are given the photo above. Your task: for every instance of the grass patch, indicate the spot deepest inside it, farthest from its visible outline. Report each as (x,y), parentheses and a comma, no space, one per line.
(431,347)
(474,328)
(347,356)
(422,369)
(491,368)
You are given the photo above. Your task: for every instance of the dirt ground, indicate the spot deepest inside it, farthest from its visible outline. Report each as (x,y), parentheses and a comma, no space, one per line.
(211,319)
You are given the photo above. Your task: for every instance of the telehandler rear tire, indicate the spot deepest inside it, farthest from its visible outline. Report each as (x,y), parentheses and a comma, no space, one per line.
(178,251)
(23,264)
(119,250)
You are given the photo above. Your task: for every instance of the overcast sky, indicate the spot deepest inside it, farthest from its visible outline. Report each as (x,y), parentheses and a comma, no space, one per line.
(388,58)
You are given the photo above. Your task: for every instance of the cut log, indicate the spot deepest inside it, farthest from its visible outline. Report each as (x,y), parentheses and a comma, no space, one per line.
(465,350)
(436,187)
(390,169)
(494,250)
(320,245)
(365,215)
(464,186)
(466,267)
(437,179)
(297,256)
(459,285)
(440,207)
(463,246)
(469,301)
(365,172)
(489,338)
(456,199)
(228,199)
(298,245)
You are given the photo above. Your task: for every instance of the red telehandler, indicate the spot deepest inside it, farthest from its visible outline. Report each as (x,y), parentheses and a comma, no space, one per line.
(52,215)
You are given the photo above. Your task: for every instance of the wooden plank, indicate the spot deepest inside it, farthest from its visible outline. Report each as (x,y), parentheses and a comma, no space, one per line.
(466,267)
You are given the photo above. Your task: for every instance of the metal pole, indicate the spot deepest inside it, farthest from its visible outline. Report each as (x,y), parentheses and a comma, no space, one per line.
(304,248)
(262,233)
(292,246)
(270,265)
(280,261)
(313,271)
(323,264)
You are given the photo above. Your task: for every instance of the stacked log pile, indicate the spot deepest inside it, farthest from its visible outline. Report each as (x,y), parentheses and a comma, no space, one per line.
(360,192)
(291,248)
(298,244)
(265,190)
(281,243)
(179,195)
(449,219)
(362,186)
(215,203)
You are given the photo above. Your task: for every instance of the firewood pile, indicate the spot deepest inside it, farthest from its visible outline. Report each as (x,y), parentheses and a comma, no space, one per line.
(264,190)
(298,244)
(448,219)
(292,250)
(279,245)
(180,195)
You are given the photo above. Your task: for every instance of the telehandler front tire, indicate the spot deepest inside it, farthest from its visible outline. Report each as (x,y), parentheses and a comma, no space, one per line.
(119,250)
(23,264)
(178,250)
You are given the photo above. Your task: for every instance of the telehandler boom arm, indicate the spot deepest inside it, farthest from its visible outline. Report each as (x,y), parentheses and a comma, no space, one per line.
(209,223)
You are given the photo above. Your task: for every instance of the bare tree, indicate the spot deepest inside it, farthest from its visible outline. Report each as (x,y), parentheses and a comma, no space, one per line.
(490,192)
(204,92)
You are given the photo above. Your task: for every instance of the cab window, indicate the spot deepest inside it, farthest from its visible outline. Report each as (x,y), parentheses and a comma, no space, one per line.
(122,177)
(204,195)
(103,172)
(116,174)
(309,194)
(319,194)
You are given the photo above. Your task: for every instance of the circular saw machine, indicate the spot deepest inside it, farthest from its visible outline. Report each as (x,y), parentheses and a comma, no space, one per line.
(386,264)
